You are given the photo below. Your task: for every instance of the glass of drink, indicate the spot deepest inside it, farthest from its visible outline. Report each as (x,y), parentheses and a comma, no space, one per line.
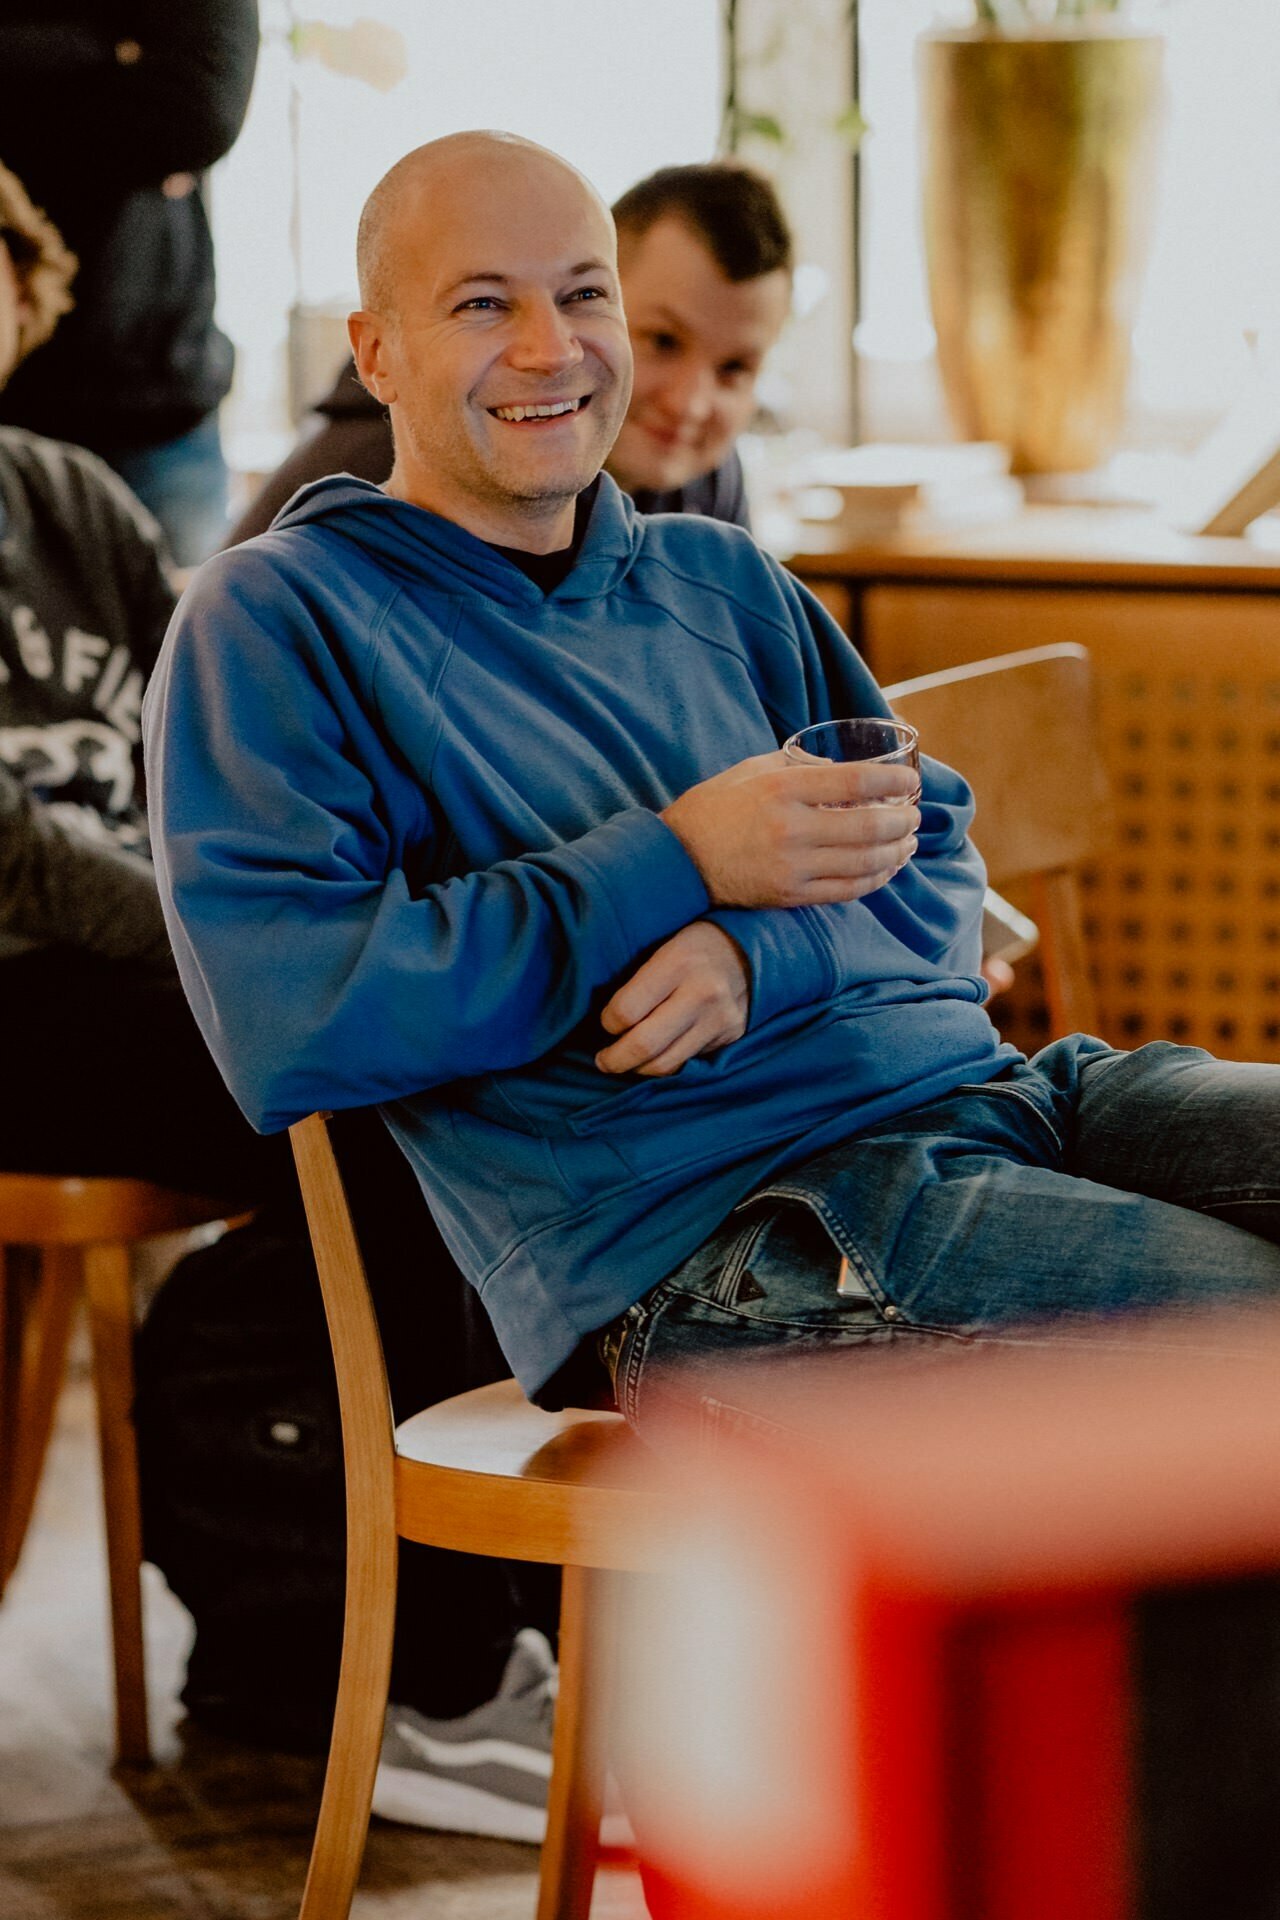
(890,743)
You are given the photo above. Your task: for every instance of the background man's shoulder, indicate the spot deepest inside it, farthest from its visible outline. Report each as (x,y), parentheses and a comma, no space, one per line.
(65,479)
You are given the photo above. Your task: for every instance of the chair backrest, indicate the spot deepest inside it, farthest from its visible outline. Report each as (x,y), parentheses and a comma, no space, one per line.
(1021,728)
(364,1398)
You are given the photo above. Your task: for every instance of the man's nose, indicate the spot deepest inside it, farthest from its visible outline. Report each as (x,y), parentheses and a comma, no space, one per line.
(688,393)
(545,340)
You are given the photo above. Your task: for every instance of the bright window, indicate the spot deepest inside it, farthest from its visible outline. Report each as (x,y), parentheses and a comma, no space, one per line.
(1213,287)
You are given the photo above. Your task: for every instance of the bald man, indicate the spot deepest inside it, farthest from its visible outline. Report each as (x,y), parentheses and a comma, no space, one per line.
(469,802)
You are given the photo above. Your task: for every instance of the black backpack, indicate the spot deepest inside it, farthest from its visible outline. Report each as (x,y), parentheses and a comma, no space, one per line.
(240,1453)
(241,1463)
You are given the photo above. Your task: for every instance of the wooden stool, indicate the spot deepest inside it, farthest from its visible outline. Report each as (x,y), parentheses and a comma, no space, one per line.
(59,1236)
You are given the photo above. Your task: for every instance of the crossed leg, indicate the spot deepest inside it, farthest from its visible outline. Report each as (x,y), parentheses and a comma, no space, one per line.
(1085,1184)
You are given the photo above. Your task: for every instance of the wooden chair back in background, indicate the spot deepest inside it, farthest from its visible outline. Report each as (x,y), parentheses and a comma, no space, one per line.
(1021,728)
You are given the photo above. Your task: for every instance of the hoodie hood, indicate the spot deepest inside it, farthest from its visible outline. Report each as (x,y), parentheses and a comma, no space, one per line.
(416,543)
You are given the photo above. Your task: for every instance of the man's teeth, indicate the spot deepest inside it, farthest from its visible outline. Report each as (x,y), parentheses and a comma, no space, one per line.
(537,413)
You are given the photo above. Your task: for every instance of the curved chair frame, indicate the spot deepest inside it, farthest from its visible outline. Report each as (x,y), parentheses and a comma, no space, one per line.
(483,1473)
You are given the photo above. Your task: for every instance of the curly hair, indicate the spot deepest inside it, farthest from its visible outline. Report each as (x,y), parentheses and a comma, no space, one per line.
(44,266)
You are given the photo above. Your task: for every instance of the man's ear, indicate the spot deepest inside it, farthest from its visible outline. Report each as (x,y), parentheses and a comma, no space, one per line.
(367,333)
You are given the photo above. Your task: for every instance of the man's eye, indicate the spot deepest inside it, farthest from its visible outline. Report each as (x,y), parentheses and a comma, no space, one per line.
(479,303)
(588,293)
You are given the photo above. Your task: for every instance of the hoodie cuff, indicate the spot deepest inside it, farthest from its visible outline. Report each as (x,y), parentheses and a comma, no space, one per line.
(788,954)
(652,886)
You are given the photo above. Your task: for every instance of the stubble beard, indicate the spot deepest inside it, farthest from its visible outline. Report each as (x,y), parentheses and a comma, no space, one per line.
(495,482)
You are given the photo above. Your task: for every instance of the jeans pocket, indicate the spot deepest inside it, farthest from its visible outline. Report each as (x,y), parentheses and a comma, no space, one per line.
(780,1265)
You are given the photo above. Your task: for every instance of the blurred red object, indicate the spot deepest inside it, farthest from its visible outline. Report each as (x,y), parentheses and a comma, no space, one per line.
(887,1667)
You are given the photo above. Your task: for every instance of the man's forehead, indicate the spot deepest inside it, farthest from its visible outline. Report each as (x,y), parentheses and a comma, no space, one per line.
(505,241)
(743,316)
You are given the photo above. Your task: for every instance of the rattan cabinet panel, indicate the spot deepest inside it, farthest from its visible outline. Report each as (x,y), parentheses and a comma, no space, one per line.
(1184,916)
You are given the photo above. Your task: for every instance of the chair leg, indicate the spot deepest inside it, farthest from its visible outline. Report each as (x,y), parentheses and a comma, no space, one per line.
(576,1798)
(109,1296)
(40,1288)
(369,1620)
(11,1321)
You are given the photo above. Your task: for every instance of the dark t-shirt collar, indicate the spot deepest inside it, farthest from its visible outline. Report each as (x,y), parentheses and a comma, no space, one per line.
(547,570)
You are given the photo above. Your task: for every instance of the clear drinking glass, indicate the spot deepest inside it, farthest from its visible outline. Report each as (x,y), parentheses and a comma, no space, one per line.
(890,743)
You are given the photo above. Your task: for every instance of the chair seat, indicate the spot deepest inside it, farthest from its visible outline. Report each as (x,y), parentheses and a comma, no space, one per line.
(488,1473)
(41,1209)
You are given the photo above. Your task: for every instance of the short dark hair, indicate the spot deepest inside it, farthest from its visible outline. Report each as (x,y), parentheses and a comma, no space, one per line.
(731,207)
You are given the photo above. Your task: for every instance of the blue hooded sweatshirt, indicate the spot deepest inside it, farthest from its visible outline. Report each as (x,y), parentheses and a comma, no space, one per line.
(405,812)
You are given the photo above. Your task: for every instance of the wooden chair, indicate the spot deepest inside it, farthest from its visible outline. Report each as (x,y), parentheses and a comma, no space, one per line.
(59,1238)
(1021,729)
(483,1473)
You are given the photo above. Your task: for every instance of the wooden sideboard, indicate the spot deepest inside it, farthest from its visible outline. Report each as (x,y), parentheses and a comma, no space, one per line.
(1184,915)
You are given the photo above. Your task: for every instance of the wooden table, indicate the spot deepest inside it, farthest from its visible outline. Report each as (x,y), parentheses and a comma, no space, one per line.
(1184,916)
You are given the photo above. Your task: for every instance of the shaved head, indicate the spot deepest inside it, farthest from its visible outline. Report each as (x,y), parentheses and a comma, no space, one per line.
(491,328)
(422,179)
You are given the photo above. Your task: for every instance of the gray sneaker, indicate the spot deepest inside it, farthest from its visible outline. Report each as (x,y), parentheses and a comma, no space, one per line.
(487,1771)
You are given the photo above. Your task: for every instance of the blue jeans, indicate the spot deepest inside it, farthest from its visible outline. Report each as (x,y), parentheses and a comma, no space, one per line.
(183,482)
(1084,1183)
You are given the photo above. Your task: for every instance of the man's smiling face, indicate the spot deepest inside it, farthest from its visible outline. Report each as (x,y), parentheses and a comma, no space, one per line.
(700,340)
(505,360)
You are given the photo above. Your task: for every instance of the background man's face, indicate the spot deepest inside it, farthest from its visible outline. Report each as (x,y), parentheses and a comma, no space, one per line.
(507,301)
(699,341)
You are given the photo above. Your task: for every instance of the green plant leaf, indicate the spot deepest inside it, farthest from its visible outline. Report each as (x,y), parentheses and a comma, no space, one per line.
(852,126)
(763,126)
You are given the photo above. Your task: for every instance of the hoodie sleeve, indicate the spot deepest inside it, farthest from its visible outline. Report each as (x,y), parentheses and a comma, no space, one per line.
(320,976)
(925,923)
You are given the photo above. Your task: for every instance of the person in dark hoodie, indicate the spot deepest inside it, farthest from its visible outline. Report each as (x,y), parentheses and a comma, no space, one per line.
(105,1072)
(111,110)
(705,258)
(470,804)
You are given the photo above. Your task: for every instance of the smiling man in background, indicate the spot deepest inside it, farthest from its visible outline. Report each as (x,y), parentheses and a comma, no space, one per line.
(704,257)
(704,260)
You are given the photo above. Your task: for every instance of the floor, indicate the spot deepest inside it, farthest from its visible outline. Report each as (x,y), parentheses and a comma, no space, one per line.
(213,1831)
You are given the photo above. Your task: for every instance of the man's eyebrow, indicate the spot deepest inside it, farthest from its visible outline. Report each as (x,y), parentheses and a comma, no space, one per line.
(483,276)
(475,279)
(676,321)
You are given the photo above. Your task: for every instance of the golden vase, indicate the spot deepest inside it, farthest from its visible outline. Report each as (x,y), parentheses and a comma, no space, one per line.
(1040,156)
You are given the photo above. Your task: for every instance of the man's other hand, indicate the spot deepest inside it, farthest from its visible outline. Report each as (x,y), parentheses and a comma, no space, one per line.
(689,997)
(769,833)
